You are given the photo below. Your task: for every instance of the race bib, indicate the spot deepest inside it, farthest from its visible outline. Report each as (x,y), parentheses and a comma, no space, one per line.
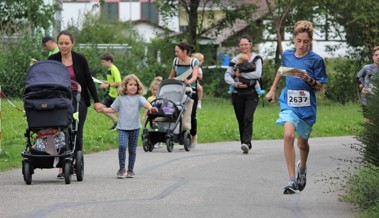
(298,98)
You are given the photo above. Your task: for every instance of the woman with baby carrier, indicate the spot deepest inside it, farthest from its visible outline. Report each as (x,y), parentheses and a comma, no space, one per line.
(244,97)
(180,65)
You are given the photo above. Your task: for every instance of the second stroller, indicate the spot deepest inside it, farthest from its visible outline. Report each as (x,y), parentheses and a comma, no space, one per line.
(172,122)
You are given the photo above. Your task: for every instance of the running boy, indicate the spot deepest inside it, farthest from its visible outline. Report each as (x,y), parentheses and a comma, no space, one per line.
(128,105)
(112,82)
(298,106)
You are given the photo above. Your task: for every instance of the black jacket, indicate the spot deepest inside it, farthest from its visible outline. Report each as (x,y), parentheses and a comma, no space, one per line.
(82,75)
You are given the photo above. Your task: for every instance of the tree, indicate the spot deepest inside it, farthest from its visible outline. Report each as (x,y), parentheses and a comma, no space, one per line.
(17,16)
(201,12)
(285,13)
(278,12)
(360,22)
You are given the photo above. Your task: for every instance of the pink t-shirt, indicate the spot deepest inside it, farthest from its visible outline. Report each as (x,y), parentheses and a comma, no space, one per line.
(72,76)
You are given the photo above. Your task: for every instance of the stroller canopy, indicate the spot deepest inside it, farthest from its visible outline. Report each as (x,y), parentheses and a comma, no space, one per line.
(173,90)
(48,73)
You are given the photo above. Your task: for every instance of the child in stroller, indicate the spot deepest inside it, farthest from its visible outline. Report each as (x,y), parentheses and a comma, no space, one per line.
(172,122)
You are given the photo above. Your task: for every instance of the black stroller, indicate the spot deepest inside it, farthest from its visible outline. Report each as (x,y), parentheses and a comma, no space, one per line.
(172,122)
(51,132)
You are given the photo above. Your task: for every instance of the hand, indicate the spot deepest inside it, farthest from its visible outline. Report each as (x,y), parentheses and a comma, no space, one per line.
(237,73)
(104,85)
(241,85)
(153,109)
(270,97)
(99,107)
(304,76)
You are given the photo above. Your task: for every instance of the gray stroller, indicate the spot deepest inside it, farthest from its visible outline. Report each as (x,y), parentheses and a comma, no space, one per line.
(172,122)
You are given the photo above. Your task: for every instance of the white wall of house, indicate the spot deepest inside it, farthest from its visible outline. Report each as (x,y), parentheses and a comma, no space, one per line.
(319,45)
(147,31)
(172,23)
(267,49)
(129,11)
(73,13)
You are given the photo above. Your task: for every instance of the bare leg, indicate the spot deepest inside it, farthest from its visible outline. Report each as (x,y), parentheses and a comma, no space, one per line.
(199,91)
(289,150)
(304,151)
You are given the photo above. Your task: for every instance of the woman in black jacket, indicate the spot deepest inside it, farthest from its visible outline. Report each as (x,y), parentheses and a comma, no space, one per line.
(77,66)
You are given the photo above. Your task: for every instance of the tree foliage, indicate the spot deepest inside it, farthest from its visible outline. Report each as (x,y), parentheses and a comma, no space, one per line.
(16,15)
(360,21)
(198,12)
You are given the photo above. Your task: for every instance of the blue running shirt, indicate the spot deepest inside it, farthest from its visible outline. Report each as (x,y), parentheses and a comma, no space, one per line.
(315,67)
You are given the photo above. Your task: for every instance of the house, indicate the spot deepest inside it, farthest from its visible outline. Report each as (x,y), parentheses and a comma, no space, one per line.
(149,30)
(123,10)
(145,15)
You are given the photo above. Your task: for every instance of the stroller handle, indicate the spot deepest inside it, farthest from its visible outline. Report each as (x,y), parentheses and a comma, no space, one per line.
(79,90)
(77,85)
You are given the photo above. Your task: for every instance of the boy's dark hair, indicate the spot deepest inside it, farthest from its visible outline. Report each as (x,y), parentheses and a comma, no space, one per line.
(107,56)
(46,39)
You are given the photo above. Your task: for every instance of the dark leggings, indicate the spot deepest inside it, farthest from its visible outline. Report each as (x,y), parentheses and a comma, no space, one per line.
(83,109)
(244,108)
(195,99)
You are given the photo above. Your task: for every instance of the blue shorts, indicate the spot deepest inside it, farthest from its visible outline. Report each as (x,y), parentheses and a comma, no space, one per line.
(302,128)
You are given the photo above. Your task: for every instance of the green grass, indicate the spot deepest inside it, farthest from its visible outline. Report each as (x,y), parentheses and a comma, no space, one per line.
(216,122)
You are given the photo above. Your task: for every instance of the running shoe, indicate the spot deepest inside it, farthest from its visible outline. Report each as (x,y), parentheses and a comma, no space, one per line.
(113,128)
(121,174)
(60,175)
(301,178)
(245,148)
(290,188)
(130,174)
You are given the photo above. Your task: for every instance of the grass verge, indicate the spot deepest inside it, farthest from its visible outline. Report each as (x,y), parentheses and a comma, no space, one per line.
(216,123)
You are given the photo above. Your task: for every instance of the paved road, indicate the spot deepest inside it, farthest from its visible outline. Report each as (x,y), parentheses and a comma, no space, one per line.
(213,180)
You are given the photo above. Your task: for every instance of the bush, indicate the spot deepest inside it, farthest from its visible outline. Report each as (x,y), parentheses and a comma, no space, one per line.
(15,61)
(370,135)
(342,85)
(364,186)
(364,190)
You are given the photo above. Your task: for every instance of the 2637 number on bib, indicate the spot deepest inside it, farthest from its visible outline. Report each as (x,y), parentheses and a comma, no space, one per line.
(298,98)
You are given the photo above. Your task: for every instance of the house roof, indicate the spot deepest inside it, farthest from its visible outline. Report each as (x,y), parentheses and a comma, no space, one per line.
(239,25)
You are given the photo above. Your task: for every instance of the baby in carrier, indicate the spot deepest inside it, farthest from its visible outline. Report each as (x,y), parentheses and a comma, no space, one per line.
(243,65)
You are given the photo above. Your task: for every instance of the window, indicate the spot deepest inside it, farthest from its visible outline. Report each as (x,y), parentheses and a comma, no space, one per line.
(149,11)
(109,12)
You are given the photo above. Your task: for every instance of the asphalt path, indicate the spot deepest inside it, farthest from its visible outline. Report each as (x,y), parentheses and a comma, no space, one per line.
(212,180)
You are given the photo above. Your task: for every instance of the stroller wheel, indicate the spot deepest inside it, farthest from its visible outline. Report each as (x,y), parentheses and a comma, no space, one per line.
(79,166)
(27,172)
(187,141)
(169,144)
(145,144)
(67,171)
